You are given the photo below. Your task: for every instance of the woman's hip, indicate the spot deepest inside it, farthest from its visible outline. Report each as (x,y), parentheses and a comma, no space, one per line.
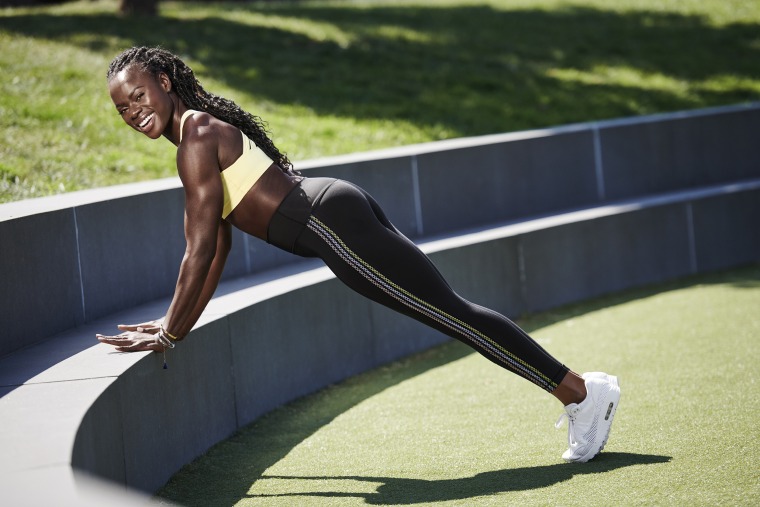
(292,215)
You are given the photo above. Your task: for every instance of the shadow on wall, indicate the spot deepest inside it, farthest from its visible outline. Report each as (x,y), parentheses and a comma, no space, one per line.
(467,70)
(252,451)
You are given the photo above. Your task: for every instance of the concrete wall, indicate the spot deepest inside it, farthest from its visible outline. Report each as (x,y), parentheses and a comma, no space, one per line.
(532,225)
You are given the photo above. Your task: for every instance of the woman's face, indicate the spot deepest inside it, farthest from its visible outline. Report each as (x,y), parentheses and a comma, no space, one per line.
(142,100)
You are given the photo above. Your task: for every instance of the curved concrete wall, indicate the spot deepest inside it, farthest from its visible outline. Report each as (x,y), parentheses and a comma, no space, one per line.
(552,234)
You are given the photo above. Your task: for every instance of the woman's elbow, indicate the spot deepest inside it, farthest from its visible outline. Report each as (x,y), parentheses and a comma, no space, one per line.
(200,255)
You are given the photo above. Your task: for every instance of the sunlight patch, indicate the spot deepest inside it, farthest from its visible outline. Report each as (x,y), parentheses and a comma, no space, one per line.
(624,76)
(317,31)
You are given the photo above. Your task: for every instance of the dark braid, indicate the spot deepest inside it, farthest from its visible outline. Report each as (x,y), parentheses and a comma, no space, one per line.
(187,87)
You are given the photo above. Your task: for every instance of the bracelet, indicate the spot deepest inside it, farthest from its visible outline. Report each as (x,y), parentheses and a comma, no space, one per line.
(167,333)
(164,340)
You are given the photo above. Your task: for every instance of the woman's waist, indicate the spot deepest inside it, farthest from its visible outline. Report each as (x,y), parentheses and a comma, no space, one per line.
(255,211)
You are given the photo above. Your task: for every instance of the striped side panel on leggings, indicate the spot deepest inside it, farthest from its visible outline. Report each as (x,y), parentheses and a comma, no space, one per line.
(470,334)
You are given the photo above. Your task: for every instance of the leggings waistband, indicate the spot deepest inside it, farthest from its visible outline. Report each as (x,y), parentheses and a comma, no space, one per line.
(294,211)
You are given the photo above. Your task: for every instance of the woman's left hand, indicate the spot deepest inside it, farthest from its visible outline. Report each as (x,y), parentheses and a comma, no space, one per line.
(133,341)
(151,326)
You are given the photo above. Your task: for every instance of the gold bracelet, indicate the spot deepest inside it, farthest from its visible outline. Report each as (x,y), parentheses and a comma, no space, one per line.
(167,333)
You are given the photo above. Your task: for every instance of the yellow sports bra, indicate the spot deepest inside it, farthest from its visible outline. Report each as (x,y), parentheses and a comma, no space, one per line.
(238,178)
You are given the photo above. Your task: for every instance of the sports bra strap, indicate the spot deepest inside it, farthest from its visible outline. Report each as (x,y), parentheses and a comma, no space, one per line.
(182,121)
(238,178)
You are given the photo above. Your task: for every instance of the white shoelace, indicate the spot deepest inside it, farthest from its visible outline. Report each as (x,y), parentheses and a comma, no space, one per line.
(570,421)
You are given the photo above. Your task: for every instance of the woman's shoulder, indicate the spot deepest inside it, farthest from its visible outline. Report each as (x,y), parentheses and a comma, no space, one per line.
(208,141)
(200,126)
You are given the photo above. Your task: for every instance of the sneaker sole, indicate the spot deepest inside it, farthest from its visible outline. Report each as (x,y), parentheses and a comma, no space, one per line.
(605,425)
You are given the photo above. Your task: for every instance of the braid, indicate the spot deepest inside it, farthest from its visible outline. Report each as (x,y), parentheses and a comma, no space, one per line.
(187,87)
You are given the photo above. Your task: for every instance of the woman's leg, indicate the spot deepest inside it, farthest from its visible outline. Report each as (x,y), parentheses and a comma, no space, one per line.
(345,227)
(351,234)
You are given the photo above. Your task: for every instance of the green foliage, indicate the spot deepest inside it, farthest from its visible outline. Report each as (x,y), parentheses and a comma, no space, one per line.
(447,427)
(336,77)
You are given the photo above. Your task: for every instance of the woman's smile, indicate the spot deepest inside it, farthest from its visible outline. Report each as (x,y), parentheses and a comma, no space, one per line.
(146,122)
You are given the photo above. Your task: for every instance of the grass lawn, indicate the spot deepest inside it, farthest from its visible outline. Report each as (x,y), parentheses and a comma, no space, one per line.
(335,77)
(447,427)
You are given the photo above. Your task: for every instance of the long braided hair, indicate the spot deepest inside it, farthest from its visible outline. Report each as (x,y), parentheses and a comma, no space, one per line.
(156,60)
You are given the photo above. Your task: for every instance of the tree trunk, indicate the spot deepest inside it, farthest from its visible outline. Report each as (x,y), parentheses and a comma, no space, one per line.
(138,7)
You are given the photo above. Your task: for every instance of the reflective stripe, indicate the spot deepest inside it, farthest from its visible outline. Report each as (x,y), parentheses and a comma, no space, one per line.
(413,302)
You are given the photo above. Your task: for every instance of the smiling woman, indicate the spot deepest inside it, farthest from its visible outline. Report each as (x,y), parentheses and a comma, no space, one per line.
(233,175)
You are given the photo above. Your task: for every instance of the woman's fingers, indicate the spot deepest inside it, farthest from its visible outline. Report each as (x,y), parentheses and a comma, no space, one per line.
(112,340)
(145,327)
(131,341)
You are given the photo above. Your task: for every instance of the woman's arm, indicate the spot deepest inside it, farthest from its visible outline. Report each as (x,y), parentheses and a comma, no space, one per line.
(223,245)
(207,238)
(198,167)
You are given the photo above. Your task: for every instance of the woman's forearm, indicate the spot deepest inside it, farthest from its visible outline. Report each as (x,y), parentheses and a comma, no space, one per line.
(197,282)
(209,287)
(193,273)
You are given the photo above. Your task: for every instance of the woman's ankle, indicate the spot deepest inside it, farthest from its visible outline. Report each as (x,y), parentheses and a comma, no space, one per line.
(572,389)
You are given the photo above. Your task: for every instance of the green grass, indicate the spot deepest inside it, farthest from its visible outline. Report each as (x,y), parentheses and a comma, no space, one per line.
(446,427)
(335,77)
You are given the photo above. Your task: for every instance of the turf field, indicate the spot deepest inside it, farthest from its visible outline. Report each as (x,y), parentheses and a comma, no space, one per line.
(447,427)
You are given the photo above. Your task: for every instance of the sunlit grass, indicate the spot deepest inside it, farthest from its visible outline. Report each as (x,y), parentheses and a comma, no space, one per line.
(54,138)
(334,77)
(625,77)
(315,30)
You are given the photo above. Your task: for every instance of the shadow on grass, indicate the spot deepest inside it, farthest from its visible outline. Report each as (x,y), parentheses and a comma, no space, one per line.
(468,69)
(402,491)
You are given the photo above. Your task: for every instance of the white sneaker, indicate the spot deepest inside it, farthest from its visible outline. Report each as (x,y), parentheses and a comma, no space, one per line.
(590,420)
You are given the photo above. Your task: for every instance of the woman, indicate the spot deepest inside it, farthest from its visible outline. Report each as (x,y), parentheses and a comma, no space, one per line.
(233,175)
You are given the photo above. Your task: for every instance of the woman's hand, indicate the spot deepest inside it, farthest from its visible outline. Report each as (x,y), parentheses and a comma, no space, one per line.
(133,341)
(150,327)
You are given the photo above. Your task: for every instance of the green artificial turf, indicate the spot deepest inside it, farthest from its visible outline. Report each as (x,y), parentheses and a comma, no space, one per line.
(447,427)
(336,77)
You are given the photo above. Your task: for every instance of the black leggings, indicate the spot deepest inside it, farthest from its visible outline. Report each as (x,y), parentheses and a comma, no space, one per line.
(344,226)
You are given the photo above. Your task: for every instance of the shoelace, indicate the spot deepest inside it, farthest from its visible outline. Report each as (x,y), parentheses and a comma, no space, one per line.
(570,421)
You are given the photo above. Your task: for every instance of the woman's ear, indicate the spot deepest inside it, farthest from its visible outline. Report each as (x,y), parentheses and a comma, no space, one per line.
(164,81)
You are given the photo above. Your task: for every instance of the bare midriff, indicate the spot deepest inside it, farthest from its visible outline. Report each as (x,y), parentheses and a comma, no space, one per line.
(255,211)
